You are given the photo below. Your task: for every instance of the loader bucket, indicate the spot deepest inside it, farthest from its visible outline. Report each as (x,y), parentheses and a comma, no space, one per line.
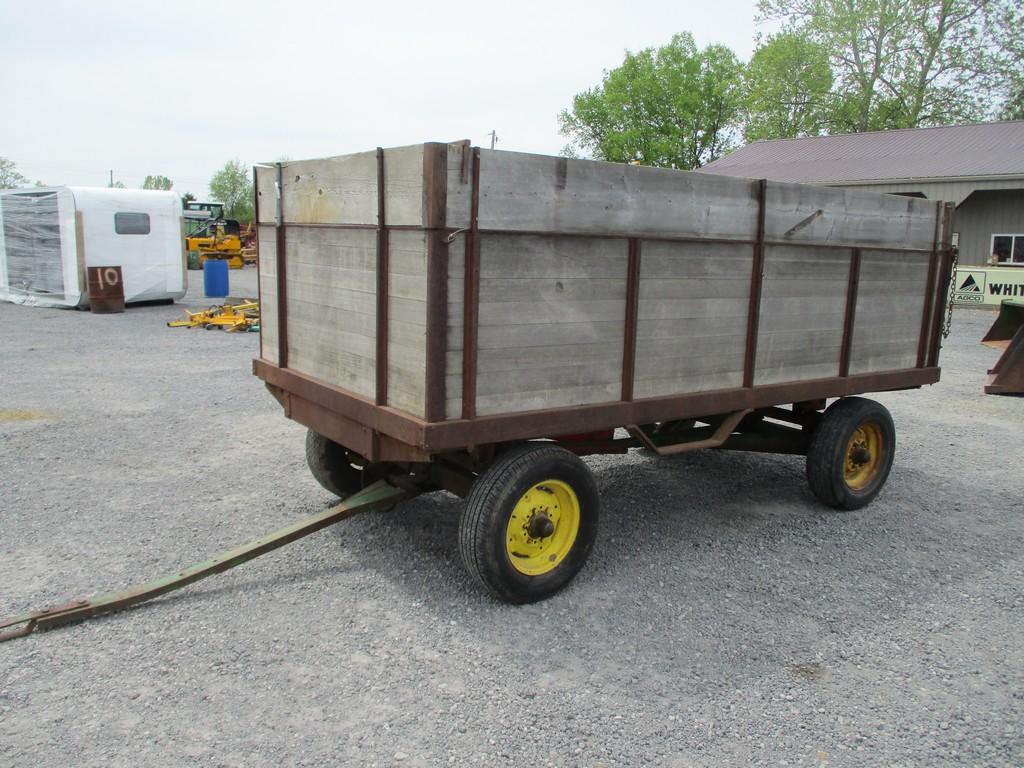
(1007,334)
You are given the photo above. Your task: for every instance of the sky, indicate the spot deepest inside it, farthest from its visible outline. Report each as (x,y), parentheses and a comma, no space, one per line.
(179,88)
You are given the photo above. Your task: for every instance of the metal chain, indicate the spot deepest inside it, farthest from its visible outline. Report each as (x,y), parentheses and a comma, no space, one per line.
(952,289)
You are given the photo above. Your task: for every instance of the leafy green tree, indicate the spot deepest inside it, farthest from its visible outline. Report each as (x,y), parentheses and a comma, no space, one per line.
(232,185)
(10,178)
(909,63)
(675,106)
(157,182)
(788,89)
(1013,109)
(187,198)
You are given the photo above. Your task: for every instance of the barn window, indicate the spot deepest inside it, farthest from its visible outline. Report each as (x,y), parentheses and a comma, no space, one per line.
(131,223)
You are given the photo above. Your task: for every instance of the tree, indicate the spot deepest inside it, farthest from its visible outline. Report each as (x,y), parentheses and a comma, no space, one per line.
(909,63)
(675,106)
(10,178)
(787,89)
(232,186)
(1013,109)
(157,182)
(187,198)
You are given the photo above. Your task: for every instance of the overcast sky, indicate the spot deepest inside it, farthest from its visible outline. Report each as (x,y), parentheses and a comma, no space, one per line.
(178,88)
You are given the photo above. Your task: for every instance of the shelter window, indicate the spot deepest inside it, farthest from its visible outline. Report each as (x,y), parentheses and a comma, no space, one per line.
(1008,249)
(131,223)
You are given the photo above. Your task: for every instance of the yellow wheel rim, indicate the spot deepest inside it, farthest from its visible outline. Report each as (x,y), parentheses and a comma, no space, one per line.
(864,456)
(542,528)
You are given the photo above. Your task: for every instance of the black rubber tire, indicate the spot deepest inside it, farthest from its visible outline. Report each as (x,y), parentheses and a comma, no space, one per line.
(490,503)
(330,465)
(826,454)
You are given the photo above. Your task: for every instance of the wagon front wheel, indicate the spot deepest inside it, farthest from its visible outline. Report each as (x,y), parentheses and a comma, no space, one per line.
(851,453)
(331,466)
(529,523)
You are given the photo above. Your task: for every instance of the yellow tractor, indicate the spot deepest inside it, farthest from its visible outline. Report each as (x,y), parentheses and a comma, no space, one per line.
(218,239)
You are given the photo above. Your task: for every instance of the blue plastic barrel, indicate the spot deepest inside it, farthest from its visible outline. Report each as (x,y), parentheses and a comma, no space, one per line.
(215,278)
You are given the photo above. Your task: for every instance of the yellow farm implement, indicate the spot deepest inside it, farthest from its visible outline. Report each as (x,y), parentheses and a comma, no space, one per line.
(228,317)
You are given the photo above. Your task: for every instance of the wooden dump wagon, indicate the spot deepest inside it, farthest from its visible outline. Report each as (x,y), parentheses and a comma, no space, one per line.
(443,316)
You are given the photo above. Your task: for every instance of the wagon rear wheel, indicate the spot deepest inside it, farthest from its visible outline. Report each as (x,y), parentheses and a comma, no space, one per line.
(851,453)
(529,523)
(332,466)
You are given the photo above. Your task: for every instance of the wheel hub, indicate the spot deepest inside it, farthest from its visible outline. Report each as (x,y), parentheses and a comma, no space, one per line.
(864,452)
(542,527)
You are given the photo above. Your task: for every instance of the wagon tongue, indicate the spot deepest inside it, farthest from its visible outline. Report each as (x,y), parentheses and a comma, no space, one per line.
(380,495)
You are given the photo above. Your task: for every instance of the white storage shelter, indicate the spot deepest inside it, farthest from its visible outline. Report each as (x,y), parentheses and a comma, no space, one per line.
(49,236)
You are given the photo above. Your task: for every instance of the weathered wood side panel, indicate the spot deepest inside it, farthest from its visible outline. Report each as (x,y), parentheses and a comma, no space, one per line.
(332,305)
(692,317)
(343,189)
(552,316)
(460,186)
(266,176)
(268,292)
(890,302)
(536,193)
(803,306)
(811,214)
(456,307)
(407,320)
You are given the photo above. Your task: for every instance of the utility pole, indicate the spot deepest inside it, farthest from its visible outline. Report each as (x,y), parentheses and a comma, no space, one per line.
(111,178)
(494,138)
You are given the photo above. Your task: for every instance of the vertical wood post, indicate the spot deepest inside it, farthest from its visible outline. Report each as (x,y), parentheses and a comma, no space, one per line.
(383,299)
(471,292)
(850,317)
(256,224)
(756,279)
(435,180)
(632,310)
(282,276)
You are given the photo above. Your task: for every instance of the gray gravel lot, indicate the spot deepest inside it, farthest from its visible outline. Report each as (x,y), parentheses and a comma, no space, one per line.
(725,618)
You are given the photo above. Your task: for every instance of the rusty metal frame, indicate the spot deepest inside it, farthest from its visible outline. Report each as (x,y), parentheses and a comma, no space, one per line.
(471,291)
(632,312)
(756,283)
(927,310)
(383,280)
(455,434)
(941,286)
(282,277)
(850,317)
(256,225)
(435,179)
(720,434)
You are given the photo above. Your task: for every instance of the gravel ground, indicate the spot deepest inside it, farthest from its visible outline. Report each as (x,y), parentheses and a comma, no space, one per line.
(725,617)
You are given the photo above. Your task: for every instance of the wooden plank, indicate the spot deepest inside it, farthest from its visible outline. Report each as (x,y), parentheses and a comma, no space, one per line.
(588,333)
(888,312)
(803,311)
(268,291)
(692,317)
(536,193)
(266,195)
(435,207)
(343,189)
(801,213)
(331,279)
(407,320)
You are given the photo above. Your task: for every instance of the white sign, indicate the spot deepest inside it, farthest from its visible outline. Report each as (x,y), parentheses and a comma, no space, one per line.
(977,286)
